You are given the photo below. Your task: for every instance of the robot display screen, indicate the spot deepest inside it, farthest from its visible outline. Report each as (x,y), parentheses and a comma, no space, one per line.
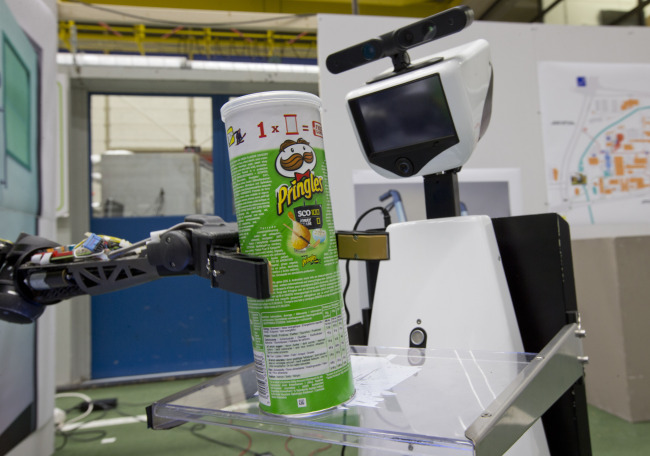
(405,115)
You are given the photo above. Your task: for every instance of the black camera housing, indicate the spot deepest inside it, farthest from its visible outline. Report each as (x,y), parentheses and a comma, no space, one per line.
(395,44)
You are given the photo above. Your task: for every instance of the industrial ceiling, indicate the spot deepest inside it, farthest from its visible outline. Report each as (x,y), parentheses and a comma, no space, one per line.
(266,30)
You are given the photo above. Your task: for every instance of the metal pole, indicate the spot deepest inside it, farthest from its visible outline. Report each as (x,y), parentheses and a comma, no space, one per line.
(441,197)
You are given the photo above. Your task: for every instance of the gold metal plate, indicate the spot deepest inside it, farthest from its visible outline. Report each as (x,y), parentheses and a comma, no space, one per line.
(362,245)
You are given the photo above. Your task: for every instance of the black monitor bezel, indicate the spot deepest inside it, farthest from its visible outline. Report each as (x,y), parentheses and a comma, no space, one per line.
(417,154)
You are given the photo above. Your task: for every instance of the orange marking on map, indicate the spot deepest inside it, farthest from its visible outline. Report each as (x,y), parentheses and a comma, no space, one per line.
(619,169)
(627,104)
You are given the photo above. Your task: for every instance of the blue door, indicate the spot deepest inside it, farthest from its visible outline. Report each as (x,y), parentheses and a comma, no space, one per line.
(174,323)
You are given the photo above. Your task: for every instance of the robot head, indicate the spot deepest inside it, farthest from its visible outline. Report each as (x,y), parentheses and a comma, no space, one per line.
(426,120)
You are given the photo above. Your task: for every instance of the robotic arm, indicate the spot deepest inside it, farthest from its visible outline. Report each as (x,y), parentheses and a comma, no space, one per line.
(36,272)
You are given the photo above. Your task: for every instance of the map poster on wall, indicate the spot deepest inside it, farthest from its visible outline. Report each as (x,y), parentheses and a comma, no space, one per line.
(596,133)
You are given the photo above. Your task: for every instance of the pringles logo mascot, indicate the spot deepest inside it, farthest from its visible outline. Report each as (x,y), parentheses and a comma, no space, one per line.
(296,160)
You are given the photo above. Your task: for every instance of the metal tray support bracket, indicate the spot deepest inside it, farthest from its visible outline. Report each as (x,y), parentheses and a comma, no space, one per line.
(548,376)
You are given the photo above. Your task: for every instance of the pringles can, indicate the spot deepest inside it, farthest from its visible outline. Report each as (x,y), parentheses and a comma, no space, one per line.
(282,202)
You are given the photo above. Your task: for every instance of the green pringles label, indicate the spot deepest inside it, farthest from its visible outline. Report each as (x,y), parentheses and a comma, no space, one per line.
(284,214)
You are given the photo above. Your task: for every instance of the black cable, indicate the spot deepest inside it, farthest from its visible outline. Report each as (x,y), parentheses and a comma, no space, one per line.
(74,434)
(65,441)
(343,445)
(98,435)
(345,291)
(372,209)
(197,427)
(78,433)
(387,221)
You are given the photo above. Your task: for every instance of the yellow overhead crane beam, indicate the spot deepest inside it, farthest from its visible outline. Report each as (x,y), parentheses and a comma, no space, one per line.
(180,40)
(402,8)
(272,29)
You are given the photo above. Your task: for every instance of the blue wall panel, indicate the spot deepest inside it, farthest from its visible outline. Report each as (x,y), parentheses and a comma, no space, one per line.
(149,328)
(171,324)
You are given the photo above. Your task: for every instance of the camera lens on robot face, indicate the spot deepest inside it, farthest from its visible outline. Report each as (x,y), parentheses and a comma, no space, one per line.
(369,51)
(404,167)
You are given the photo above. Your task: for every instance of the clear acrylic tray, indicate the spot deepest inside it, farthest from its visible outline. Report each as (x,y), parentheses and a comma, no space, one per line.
(407,401)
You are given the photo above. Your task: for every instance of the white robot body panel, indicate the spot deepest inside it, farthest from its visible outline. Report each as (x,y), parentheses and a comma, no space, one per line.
(445,277)
(445,274)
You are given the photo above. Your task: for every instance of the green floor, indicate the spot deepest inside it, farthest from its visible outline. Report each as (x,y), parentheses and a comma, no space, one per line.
(610,435)
(189,439)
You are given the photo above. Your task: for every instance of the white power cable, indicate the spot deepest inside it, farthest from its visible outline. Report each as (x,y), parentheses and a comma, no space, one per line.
(81,396)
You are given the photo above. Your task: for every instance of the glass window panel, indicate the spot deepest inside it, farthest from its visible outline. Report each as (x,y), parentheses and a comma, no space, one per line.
(151,155)
(17,106)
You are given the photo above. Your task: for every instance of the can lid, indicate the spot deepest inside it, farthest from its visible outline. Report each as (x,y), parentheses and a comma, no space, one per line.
(281,97)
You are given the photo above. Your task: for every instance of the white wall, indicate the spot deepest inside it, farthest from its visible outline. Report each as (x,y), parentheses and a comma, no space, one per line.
(38,19)
(514,137)
(149,123)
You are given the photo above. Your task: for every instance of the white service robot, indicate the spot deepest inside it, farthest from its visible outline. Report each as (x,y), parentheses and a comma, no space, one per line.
(444,284)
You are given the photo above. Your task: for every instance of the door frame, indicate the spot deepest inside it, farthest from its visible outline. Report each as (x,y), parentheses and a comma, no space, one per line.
(73,317)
